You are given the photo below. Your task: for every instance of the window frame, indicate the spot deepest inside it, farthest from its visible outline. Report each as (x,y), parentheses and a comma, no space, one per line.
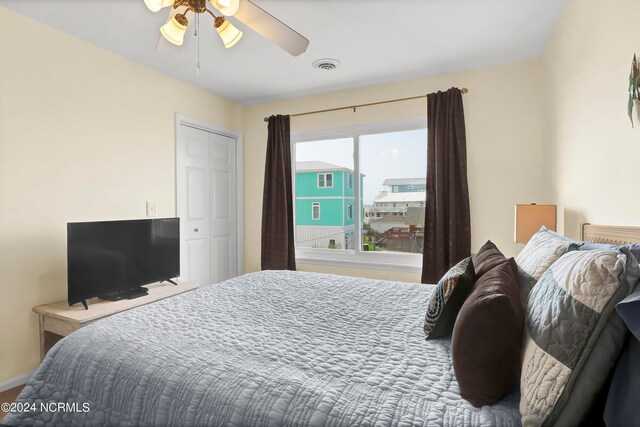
(389,261)
(324,175)
(349,210)
(313,205)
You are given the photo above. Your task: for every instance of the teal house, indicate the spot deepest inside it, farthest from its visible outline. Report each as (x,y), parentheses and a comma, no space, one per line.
(325,207)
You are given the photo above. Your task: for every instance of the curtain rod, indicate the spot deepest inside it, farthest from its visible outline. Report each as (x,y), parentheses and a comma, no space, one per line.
(266,119)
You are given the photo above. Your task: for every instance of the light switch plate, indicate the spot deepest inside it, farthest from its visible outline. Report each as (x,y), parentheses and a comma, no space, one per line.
(151,208)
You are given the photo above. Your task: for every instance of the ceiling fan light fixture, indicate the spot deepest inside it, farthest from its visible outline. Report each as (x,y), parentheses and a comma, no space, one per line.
(245,11)
(226,7)
(175,29)
(229,34)
(156,5)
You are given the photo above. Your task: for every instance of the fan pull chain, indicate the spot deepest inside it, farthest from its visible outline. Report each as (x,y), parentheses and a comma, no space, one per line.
(197,34)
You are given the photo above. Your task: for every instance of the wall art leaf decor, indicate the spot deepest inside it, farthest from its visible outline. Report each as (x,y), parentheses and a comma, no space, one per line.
(634,87)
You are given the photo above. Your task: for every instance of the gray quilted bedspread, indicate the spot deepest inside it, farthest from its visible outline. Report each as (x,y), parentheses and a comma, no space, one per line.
(263,349)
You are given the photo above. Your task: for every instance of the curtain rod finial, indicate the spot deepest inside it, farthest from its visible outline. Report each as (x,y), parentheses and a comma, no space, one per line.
(464,90)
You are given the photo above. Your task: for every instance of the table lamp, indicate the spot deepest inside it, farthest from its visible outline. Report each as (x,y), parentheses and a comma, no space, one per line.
(529,219)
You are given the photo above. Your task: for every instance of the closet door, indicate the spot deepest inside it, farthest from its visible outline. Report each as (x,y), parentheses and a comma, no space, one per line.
(193,204)
(224,215)
(207,204)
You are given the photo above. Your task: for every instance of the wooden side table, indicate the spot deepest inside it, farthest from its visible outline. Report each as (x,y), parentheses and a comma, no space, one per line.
(57,320)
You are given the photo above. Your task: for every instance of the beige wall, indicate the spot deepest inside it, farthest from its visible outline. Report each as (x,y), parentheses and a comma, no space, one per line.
(84,135)
(593,151)
(503,113)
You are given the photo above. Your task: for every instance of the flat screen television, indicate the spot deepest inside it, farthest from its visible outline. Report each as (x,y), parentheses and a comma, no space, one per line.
(114,259)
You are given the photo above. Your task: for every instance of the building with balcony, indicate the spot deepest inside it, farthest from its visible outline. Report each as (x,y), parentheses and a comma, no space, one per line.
(401,208)
(396,203)
(404,185)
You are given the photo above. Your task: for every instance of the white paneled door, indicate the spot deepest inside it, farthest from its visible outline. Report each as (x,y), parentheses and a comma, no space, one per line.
(207,205)
(224,216)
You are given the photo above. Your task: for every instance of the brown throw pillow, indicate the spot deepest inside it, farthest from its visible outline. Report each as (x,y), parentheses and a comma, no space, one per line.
(487,337)
(450,293)
(487,258)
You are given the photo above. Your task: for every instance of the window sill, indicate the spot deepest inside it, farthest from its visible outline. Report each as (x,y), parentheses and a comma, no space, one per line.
(401,263)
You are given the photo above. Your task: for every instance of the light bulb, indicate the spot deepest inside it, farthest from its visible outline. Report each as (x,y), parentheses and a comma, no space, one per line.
(156,5)
(229,34)
(226,7)
(174,29)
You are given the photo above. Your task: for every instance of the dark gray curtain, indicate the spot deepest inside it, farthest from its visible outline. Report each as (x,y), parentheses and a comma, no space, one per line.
(278,246)
(447,233)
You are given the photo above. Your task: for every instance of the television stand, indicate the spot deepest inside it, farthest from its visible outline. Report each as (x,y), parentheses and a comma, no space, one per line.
(128,294)
(58,319)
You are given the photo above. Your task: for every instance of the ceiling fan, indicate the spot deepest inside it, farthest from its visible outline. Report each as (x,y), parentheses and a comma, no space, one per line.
(244,11)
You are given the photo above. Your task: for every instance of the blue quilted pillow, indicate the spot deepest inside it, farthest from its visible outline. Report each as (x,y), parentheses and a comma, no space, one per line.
(542,250)
(634,248)
(573,334)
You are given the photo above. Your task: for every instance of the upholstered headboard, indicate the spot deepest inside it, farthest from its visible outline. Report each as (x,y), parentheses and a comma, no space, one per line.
(609,234)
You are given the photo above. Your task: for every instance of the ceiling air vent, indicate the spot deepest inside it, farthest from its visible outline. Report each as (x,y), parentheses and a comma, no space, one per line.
(327,64)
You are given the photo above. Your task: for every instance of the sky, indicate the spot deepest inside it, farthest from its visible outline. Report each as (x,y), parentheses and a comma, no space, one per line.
(382,156)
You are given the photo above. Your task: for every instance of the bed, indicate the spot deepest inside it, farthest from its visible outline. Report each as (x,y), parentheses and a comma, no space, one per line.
(268,348)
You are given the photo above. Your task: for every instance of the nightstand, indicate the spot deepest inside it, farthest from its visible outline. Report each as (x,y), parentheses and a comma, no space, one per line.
(58,319)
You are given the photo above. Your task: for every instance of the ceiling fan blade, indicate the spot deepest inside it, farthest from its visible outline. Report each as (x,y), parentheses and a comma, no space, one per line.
(271,28)
(164,46)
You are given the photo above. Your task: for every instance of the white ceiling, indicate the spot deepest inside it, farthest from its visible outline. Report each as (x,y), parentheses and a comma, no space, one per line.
(376,40)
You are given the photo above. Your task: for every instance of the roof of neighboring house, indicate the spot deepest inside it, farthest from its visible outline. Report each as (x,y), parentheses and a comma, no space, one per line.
(390,218)
(416,196)
(405,181)
(317,166)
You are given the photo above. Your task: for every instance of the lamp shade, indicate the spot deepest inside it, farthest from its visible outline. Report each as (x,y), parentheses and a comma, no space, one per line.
(156,5)
(174,29)
(529,219)
(226,7)
(229,34)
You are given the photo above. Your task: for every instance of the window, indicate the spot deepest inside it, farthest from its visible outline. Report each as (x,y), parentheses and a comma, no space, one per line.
(398,156)
(325,180)
(409,187)
(316,163)
(369,225)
